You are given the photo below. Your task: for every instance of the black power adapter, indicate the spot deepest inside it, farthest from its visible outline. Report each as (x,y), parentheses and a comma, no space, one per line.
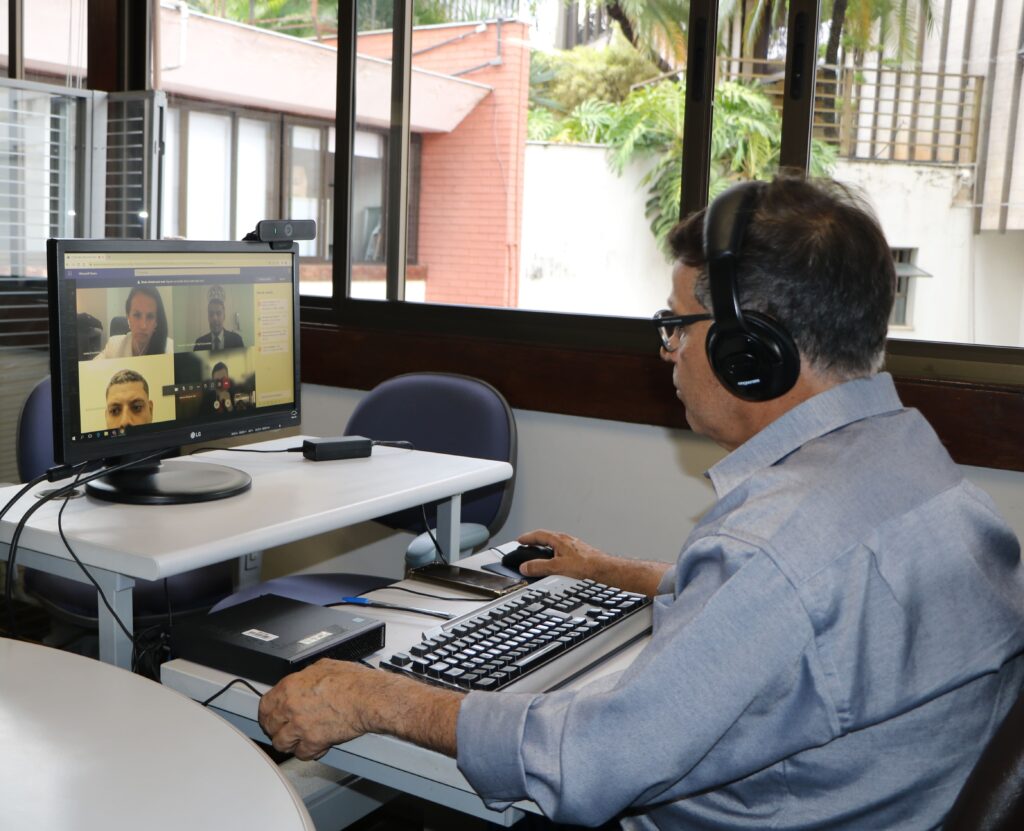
(341,447)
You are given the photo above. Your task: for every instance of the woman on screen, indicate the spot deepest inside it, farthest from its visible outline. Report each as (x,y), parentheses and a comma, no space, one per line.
(147,327)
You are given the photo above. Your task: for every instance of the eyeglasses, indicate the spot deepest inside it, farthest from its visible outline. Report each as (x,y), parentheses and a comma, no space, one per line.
(671,326)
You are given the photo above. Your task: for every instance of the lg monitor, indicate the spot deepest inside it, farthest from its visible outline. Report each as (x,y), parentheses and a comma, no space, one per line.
(154,345)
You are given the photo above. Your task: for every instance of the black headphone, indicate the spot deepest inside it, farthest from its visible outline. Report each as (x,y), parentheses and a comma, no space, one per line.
(752,355)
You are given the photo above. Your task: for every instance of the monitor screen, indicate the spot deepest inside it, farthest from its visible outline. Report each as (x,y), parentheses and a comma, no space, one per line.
(156,344)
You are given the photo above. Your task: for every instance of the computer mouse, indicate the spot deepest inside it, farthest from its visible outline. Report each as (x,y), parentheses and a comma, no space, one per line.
(517,556)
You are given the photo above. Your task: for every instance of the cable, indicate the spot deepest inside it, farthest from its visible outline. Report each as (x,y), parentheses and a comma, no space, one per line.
(54,474)
(380,604)
(58,493)
(402,445)
(437,548)
(244,450)
(227,687)
(422,594)
(21,493)
(85,571)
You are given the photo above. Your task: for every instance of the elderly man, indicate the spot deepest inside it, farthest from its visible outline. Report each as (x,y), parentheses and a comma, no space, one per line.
(841,632)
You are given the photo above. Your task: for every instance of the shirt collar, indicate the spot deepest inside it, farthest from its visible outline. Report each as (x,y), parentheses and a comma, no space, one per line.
(836,407)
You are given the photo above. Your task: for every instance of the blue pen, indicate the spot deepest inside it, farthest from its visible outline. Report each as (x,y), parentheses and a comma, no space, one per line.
(364,601)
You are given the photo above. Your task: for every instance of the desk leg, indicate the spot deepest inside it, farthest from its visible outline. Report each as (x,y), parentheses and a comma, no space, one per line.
(448,521)
(115,646)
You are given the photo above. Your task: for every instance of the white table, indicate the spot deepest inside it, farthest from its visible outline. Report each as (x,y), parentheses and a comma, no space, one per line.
(291,499)
(92,747)
(384,759)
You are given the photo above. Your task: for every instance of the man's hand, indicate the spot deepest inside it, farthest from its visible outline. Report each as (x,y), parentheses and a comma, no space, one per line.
(331,702)
(308,712)
(575,558)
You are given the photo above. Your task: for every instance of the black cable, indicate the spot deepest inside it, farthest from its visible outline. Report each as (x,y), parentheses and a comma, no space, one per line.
(227,687)
(402,445)
(433,539)
(85,571)
(10,502)
(58,493)
(244,450)
(424,594)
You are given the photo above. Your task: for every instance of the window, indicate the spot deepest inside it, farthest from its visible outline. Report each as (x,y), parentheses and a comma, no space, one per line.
(219,171)
(570,354)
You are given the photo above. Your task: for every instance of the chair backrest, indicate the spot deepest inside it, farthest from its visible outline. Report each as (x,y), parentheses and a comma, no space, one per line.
(35,432)
(992,798)
(119,325)
(444,413)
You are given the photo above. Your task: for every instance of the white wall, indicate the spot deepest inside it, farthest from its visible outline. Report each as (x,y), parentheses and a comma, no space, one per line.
(586,246)
(630,489)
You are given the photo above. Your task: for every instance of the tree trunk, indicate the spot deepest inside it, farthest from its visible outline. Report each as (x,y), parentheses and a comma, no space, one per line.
(829,72)
(616,13)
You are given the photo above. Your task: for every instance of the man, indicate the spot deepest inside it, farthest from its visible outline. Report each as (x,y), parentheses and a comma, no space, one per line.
(223,398)
(842,631)
(218,337)
(128,402)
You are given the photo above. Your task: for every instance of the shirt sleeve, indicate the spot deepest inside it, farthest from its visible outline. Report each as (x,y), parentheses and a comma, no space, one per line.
(720,692)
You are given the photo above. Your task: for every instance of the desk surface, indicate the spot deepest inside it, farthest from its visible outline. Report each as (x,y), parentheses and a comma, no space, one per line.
(291,499)
(385,759)
(88,746)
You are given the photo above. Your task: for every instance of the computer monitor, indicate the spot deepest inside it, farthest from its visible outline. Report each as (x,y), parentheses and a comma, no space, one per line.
(158,344)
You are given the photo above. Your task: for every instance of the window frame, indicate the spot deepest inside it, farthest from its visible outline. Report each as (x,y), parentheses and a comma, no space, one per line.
(605,367)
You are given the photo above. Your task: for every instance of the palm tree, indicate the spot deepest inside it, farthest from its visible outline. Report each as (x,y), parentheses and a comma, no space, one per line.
(745,140)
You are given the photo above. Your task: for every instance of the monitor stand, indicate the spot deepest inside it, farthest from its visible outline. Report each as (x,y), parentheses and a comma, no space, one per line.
(173,482)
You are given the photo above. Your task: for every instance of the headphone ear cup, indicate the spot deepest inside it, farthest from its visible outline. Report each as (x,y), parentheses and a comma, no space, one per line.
(757,363)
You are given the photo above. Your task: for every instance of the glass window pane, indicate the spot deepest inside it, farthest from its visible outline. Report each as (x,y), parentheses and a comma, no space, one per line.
(55,41)
(524,191)
(367,215)
(259,67)
(208,193)
(305,178)
(254,190)
(170,184)
(921,119)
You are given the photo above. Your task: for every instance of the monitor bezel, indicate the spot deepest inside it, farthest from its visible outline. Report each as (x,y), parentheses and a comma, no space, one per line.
(173,437)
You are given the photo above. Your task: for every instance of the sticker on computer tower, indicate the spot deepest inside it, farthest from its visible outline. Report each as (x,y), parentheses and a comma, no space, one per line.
(259,635)
(319,636)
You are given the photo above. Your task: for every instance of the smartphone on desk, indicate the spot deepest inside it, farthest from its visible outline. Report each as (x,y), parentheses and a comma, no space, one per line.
(468,579)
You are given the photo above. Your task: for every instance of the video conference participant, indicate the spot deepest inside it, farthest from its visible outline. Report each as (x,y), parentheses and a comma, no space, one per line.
(128,401)
(147,327)
(841,632)
(222,399)
(218,337)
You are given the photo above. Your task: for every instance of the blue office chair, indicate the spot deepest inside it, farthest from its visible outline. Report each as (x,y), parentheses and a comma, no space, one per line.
(74,602)
(435,411)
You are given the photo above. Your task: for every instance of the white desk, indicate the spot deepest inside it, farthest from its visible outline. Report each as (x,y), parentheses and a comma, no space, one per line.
(291,499)
(383,759)
(92,747)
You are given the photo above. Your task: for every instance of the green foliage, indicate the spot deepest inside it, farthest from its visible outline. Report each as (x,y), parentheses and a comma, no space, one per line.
(565,79)
(648,124)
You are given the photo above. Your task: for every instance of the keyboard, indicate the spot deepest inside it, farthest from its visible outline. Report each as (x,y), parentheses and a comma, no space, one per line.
(535,640)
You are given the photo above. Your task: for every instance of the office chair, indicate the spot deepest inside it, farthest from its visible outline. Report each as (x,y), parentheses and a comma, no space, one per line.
(992,798)
(434,411)
(74,602)
(118,325)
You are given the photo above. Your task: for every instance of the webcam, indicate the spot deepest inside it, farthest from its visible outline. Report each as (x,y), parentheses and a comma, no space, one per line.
(282,230)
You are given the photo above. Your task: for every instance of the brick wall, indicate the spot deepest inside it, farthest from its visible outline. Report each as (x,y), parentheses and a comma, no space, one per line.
(471,189)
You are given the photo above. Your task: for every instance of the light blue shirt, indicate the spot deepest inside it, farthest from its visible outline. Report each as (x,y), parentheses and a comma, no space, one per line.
(835,644)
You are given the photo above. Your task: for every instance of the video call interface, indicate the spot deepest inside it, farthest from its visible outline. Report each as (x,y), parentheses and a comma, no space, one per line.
(179,337)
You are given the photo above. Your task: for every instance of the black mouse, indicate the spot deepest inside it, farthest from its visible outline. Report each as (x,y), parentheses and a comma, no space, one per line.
(517,556)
